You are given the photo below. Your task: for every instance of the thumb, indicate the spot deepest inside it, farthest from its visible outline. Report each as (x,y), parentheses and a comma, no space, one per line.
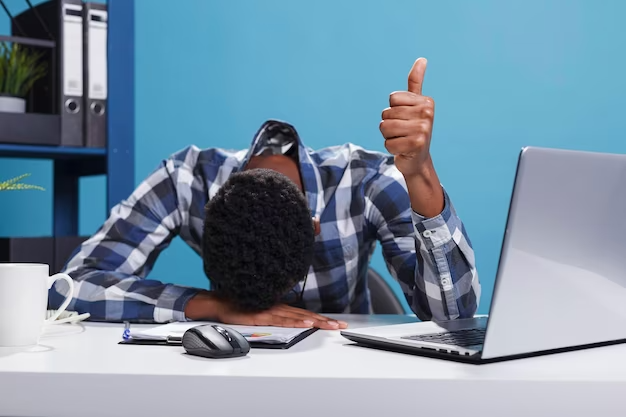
(416,76)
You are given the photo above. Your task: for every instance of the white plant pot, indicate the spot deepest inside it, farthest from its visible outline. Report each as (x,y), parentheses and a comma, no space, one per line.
(9,104)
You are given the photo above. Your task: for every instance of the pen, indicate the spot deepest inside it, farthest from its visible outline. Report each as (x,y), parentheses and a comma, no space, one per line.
(126,334)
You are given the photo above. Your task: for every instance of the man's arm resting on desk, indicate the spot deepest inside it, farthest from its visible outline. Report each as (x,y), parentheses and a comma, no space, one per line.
(111,267)
(111,296)
(114,296)
(205,306)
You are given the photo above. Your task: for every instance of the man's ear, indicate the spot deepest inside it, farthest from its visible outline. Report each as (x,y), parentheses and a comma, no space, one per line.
(316,225)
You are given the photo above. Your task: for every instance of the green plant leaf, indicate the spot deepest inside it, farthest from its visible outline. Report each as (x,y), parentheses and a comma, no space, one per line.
(16,179)
(14,184)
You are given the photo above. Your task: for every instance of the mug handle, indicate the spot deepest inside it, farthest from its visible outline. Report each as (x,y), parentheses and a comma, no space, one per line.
(66,302)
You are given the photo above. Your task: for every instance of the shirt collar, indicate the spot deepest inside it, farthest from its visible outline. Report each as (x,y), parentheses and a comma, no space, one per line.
(279,134)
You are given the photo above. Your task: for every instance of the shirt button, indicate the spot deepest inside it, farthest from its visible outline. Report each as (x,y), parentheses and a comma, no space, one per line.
(427,233)
(445,281)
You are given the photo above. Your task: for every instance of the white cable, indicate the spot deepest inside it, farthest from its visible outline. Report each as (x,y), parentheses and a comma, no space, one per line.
(67,317)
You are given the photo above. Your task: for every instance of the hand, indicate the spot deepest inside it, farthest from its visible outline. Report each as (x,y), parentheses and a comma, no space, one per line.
(205,306)
(407,125)
(280,316)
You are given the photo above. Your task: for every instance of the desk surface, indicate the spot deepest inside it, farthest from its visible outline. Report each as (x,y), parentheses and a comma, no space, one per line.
(81,370)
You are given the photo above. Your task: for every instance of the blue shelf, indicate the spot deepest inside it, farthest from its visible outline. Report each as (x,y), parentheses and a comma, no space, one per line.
(117,161)
(50,152)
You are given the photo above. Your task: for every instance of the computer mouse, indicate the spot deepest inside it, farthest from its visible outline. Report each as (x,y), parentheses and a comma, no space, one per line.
(215,341)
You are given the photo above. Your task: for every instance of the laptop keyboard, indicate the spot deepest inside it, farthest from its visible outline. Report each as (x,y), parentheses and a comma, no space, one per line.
(466,338)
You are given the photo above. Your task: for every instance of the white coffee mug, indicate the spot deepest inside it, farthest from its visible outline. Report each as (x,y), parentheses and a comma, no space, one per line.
(24,302)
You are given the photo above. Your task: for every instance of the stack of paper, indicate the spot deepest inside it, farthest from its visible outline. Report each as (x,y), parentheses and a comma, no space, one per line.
(257,334)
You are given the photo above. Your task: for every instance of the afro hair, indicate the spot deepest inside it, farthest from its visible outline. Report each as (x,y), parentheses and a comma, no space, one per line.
(258,239)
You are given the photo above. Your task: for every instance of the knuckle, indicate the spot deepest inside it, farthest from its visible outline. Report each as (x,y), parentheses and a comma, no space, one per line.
(420,141)
(423,127)
(428,112)
(416,140)
(411,143)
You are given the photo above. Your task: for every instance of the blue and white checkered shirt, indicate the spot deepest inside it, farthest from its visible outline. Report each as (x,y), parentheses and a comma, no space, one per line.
(359,196)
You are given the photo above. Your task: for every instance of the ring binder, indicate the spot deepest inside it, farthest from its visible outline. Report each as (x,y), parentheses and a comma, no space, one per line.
(61,90)
(95,25)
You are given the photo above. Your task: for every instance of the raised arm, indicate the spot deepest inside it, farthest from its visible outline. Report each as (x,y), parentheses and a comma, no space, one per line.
(431,258)
(111,267)
(438,275)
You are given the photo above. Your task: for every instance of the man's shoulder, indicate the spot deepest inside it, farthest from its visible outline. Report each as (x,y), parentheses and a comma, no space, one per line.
(192,156)
(350,155)
(374,169)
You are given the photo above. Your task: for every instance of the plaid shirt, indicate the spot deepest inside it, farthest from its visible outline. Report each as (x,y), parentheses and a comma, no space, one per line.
(359,196)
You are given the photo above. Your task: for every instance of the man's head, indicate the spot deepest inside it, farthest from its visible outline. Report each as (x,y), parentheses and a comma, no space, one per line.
(258,238)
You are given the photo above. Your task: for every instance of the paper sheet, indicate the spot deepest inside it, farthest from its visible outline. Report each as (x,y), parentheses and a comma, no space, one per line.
(265,334)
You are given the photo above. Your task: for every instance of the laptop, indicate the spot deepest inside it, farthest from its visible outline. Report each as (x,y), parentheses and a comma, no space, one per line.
(561,278)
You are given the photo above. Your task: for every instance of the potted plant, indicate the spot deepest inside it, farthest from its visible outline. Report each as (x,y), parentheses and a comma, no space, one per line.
(15,184)
(20,67)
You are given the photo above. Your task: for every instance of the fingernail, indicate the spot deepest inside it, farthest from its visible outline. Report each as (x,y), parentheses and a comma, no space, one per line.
(333,324)
(343,323)
(309,323)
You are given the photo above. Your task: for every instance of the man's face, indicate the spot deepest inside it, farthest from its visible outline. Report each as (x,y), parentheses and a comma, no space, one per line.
(284,165)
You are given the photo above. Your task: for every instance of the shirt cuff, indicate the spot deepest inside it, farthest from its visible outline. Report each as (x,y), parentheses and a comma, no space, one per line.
(171,304)
(434,232)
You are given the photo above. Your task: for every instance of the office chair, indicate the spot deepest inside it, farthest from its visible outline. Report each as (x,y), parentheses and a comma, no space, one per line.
(384,300)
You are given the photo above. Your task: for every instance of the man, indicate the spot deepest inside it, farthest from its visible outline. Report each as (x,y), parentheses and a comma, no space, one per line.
(355,197)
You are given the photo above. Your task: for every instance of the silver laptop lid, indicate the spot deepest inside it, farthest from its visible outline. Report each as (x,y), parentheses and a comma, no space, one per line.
(561,279)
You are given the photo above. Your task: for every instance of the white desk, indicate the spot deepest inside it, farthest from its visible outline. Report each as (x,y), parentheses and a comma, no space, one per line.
(82,371)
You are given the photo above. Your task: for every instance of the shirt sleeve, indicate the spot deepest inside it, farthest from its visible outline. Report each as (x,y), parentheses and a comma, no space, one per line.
(109,269)
(431,258)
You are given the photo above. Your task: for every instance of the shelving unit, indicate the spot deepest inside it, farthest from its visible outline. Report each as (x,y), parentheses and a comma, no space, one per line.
(117,161)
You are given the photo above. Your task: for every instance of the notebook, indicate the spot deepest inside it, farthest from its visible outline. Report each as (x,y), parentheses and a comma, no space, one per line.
(264,337)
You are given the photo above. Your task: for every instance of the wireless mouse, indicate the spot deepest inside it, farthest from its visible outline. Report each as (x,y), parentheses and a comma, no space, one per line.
(215,342)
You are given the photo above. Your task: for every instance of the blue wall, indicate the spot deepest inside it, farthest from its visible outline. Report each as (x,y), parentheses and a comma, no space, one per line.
(503,74)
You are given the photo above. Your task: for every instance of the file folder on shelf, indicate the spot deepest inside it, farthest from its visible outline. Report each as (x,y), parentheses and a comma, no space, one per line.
(95,25)
(61,90)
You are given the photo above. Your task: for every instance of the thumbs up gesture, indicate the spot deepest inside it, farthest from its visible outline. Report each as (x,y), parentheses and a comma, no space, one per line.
(407,124)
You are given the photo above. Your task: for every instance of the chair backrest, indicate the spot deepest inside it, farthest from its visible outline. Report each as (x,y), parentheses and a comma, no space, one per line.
(384,300)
